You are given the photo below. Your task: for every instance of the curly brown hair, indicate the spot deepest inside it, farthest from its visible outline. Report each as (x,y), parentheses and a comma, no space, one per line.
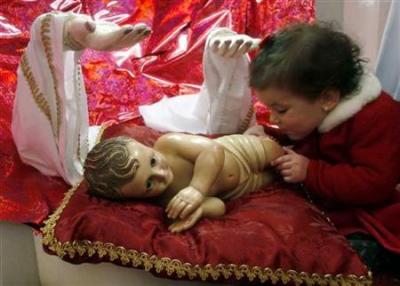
(308,59)
(109,166)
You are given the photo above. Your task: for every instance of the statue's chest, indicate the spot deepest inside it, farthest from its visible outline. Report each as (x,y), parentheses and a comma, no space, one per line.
(183,173)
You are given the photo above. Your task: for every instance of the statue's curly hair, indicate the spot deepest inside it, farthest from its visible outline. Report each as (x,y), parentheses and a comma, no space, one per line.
(109,166)
(307,59)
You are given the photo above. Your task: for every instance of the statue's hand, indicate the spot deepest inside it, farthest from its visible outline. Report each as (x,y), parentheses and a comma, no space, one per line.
(184,203)
(188,222)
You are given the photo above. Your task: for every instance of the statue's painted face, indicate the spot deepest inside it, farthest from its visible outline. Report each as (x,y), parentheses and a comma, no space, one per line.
(153,175)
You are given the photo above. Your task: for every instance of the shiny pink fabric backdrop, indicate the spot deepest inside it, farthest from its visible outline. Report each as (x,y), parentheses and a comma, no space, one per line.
(166,64)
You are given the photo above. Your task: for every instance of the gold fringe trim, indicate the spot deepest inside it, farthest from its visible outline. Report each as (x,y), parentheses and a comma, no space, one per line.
(46,41)
(184,269)
(38,96)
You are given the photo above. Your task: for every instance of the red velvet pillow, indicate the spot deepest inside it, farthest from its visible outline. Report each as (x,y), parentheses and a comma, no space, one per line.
(272,235)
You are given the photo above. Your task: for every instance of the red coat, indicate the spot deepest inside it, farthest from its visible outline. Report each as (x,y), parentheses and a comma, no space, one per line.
(354,168)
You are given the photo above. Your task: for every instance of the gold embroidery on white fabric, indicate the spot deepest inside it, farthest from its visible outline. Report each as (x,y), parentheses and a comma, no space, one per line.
(38,96)
(46,41)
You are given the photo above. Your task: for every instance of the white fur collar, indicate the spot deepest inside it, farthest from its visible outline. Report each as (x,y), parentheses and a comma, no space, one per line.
(349,106)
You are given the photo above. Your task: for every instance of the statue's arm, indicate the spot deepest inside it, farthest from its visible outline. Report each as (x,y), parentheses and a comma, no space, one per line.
(213,207)
(210,208)
(207,168)
(208,159)
(206,155)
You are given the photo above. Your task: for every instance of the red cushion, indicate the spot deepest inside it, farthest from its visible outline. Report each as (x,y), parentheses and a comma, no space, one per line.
(274,234)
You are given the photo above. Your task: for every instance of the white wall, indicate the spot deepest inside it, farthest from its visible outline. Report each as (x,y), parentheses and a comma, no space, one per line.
(330,11)
(362,20)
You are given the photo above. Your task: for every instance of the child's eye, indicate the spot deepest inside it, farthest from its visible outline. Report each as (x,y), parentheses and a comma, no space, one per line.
(153,161)
(149,184)
(281,111)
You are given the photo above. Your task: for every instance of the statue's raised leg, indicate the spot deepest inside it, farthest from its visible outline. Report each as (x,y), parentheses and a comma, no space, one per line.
(224,103)
(50,123)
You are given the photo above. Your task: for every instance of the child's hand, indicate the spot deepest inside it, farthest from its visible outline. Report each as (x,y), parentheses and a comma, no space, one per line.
(184,203)
(292,166)
(188,222)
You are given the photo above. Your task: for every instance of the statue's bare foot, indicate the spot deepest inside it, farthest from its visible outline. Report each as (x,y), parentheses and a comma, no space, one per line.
(228,44)
(81,32)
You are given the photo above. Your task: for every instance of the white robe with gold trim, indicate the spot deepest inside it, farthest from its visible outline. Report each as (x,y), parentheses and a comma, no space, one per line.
(50,116)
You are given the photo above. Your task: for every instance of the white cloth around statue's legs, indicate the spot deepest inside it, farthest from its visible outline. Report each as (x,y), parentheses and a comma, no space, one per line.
(223,105)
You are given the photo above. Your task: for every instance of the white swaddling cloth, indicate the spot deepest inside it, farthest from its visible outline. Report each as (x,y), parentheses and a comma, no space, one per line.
(223,105)
(250,155)
(50,122)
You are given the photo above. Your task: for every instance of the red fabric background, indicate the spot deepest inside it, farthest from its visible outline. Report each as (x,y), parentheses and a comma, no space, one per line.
(167,63)
(257,230)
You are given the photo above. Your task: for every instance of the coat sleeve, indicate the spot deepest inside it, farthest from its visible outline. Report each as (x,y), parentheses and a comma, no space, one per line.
(373,166)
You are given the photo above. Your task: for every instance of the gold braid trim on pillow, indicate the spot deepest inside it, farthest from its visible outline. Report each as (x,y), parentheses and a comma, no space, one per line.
(180,268)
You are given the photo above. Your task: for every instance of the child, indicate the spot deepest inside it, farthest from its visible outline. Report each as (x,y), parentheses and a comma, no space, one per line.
(344,129)
(186,173)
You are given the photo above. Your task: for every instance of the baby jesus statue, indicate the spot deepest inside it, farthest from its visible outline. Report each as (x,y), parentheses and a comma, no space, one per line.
(189,175)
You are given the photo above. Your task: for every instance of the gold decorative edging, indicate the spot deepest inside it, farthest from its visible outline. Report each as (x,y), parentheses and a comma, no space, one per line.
(46,41)
(38,96)
(183,269)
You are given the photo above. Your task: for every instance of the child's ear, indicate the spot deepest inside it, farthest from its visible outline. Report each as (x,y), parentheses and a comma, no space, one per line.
(329,99)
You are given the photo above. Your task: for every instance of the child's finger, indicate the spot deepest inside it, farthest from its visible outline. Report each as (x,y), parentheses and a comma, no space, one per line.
(280,160)
(286,173)
(277,161)
(284,165)
(288,150)
(287,179)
